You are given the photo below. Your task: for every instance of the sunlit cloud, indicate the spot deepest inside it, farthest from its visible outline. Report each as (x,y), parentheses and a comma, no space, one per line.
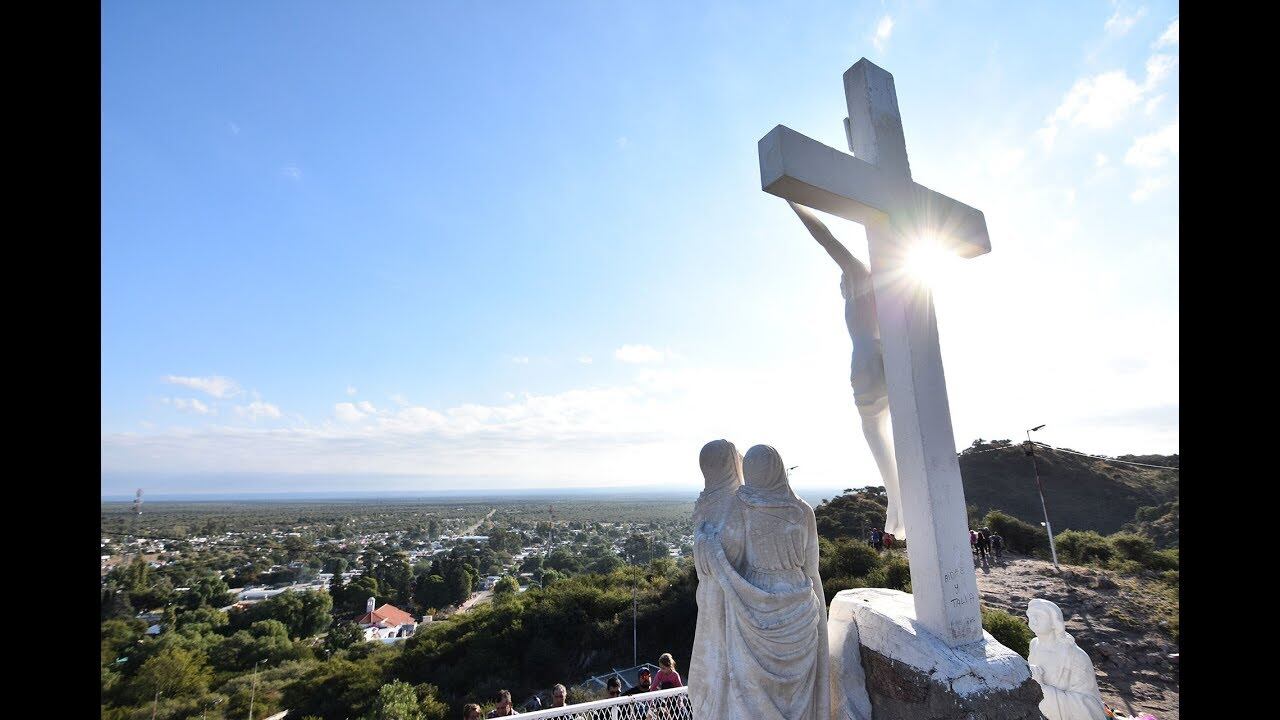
(640,354)
(1149,186)
(1170,35)
(1154,150)
(1119,23)
(884,28)
(257,410)
(190,405)
(215,385)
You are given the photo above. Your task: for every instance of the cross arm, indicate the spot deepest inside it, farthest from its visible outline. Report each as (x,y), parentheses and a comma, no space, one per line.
(798,168)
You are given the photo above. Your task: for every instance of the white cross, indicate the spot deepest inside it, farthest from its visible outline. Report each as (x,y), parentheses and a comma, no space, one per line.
(876,190)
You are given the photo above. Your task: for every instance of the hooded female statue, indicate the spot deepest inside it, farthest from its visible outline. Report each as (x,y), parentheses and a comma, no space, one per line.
(1064,671)
(775,615)
(708,670)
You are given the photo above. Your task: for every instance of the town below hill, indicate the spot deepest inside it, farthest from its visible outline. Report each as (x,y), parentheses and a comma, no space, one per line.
(352,609)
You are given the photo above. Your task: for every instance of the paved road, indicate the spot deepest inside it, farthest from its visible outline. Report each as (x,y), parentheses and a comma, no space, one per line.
(471,530)
(482,596)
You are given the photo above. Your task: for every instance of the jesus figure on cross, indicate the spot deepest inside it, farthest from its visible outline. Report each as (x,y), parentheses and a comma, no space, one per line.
(870,391)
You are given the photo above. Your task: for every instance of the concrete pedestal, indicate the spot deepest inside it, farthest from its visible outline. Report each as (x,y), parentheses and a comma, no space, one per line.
(886,666)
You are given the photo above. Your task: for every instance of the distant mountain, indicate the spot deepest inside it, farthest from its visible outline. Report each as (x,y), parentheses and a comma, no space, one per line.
(1082,493)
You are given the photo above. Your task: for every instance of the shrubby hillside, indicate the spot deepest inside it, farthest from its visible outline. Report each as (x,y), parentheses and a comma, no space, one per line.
(1082,493)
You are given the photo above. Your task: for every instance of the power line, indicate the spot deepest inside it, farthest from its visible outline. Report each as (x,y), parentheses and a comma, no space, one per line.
(1107,459)
(1073,452)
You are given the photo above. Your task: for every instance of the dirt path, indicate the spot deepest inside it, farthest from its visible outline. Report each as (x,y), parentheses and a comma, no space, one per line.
(1134,671)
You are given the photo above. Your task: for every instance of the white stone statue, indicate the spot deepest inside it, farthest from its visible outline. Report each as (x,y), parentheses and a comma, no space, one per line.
(708,667)
(775,615)
(870,391)
(1063,670)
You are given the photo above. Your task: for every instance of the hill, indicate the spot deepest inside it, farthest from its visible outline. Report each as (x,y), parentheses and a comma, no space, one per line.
(1082,493)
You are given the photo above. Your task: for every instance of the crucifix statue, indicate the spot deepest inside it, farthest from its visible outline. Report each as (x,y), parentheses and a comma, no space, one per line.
(874,188)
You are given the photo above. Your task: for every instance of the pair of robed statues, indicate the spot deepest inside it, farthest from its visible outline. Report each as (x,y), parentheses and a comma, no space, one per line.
(760,644)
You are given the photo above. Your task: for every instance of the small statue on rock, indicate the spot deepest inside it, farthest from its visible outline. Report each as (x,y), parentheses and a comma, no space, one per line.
(1064,671)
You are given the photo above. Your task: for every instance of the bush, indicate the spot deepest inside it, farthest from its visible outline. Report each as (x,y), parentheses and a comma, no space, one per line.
(1165,561)
(849,558)
(894,573)
(1083,547)
(1020,537)
(1129,546)
(1009,630)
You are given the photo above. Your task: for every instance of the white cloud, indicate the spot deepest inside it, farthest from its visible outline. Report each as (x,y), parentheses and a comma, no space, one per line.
(1158,68)
(1100,160)
(1154,150)
(1170,36)
(400,400)
(258,409)
(367,407)
(291,172)
(884,29)
(351,390)
(585,360)
(622,142)
(347,412)
(640,354)
(215,385)
(1148,186)
(1153,104)
(1119,24)
(1098,102)
(191,405)
(520,359)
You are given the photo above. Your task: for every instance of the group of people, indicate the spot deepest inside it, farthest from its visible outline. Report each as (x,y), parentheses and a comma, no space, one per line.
(646,681)
(986,544)
(880,540)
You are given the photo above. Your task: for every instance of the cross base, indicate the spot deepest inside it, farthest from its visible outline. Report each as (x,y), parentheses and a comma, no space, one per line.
(887,666)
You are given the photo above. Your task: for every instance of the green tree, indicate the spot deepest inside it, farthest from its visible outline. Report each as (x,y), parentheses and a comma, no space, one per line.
(458,585)
(304,613)
(396,700)
(172,671)
(343,636)
(429,702)
(209,590)
(506,586)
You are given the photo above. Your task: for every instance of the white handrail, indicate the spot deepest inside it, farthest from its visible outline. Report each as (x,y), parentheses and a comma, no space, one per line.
(591,709)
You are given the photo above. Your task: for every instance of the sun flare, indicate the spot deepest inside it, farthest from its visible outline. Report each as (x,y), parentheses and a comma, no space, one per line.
(928,261)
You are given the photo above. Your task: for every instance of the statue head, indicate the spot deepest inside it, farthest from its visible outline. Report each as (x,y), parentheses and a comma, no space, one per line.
(763,471)
(721,465)
(1045,619)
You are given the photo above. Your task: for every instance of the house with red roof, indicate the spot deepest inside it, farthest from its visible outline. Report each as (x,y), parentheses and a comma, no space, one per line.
(387,623)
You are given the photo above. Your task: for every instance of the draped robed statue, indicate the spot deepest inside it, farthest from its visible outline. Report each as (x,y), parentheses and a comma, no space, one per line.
(761,638)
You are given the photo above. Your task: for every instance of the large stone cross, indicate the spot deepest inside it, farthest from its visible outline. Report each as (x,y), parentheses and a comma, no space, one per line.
(875,189)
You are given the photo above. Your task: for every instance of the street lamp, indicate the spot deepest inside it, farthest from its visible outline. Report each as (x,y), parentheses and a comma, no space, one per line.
(205,712)
(1031,450)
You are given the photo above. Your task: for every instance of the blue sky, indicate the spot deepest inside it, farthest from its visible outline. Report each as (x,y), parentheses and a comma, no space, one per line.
(512,245)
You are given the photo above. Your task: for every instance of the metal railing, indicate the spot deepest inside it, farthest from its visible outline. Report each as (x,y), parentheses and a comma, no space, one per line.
(669,704)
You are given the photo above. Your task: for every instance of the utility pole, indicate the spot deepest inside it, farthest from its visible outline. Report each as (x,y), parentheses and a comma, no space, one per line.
(1031,450)
(253,689)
